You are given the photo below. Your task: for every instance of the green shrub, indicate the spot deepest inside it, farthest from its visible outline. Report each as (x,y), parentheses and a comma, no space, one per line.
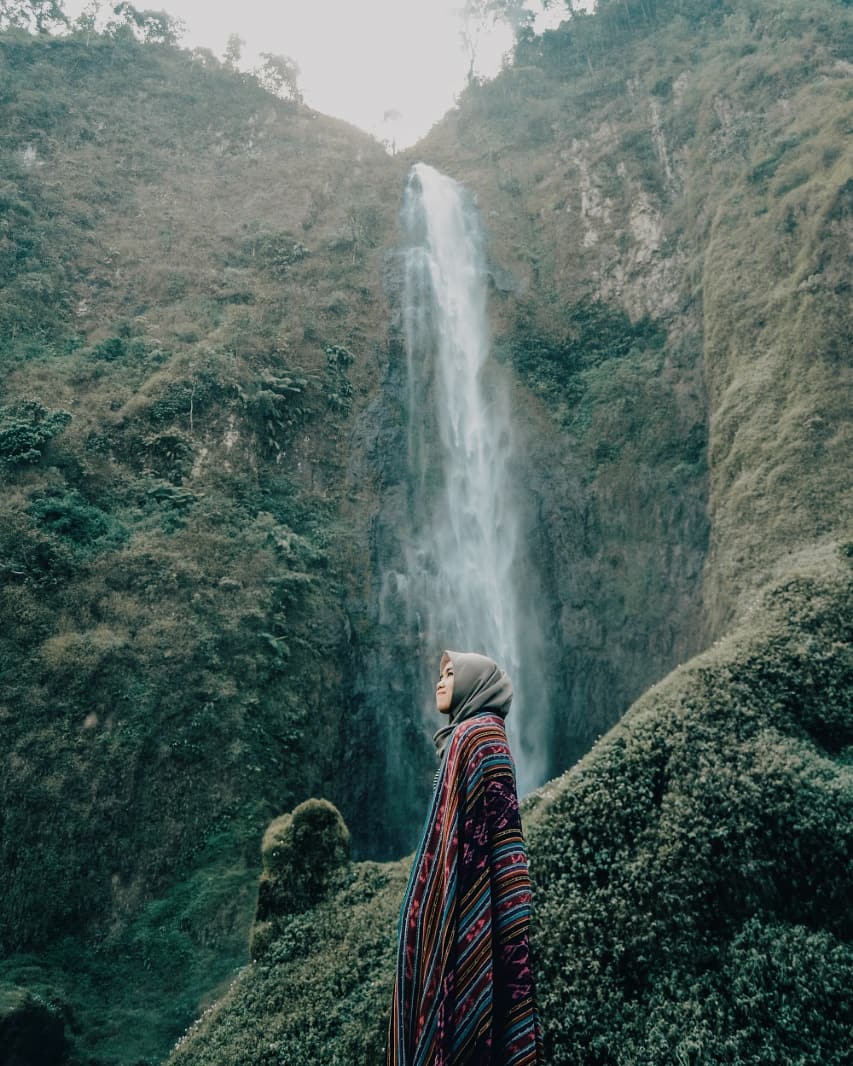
(67,514)
(594,333)
(26,427)
(273,253)
(304,854)
(322,981)
(691,873)
(110,349)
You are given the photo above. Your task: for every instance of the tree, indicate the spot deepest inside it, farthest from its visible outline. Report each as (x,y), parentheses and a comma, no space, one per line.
(278,75)
(152,27)
(87,21)
(478,16)
(39,16)
(390,118)
(234,50)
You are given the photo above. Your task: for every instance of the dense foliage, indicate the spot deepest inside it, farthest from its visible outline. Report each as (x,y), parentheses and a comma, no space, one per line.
(324,982)
(696,864)
(175,383)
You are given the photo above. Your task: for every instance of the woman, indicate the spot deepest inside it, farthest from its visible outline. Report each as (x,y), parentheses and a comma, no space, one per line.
(464,993)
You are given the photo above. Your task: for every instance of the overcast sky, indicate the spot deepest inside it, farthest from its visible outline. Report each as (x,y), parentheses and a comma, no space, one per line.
(358,58)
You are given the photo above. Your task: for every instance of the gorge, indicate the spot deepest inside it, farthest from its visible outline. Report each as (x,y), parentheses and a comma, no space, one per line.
(227,563)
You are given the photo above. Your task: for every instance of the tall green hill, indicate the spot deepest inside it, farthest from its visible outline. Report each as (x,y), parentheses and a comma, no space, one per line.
(198,419)
(191,296)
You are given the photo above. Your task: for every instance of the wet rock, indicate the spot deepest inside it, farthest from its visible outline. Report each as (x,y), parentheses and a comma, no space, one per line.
(32,1031)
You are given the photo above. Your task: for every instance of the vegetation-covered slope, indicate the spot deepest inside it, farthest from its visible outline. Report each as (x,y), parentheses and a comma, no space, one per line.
(189,298)
(690,877)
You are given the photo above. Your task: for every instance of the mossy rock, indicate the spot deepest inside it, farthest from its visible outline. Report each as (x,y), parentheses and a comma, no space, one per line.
(32,1032)
(305,854)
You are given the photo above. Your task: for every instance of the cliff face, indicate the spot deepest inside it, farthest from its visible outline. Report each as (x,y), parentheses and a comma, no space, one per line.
(201,435)
(691,176)
(191,298)
(669,200)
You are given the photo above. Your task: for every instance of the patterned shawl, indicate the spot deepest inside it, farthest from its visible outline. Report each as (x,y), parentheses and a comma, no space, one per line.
(464,992)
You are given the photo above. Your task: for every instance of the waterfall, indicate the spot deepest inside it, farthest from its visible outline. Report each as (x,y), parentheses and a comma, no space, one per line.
(466,569)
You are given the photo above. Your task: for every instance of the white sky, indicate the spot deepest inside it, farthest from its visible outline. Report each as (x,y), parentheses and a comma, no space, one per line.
(358,59)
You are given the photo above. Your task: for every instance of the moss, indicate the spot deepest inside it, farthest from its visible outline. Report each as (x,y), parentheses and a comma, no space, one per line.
(701,840)
(305,853)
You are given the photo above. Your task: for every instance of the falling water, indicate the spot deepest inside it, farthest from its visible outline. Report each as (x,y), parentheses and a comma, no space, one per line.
(465,564)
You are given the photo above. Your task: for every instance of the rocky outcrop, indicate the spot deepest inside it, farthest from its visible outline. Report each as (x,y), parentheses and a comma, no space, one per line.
(32,1031)
(305,856)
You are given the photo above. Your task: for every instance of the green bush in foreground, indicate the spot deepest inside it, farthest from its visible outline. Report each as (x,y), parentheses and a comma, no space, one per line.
(691,878)
(320,989)
(305,855)
(692,872)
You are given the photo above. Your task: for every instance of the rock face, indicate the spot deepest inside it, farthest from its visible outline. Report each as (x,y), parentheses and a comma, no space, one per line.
(620,546)
(192,277)
(32,1032)
(605,347)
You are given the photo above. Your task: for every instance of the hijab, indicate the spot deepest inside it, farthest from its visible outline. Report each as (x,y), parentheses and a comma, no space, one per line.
(479,685)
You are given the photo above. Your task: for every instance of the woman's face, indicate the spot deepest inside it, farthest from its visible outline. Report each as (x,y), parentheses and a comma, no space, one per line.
(444,688)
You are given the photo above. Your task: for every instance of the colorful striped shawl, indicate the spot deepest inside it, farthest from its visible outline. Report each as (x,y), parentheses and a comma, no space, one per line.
(464,993)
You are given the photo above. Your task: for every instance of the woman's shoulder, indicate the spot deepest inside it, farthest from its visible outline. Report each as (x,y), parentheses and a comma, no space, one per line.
(481,735)
(483,724)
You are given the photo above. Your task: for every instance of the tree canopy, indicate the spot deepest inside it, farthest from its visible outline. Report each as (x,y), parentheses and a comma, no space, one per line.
(34,16)
(278,74)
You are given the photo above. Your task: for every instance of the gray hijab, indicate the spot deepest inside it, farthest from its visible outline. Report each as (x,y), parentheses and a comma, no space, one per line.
(479,685)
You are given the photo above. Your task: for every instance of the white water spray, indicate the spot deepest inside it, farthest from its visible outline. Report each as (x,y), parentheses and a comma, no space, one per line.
(465,569)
